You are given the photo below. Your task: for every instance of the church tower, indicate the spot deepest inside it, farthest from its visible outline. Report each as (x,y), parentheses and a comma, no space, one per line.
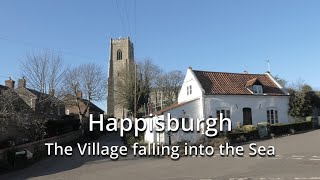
(121,57)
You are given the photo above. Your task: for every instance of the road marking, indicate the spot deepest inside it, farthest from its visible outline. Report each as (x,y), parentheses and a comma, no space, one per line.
(316,156)
(274,158)
(314,159)
(294,156)
(297,158)
(313,178)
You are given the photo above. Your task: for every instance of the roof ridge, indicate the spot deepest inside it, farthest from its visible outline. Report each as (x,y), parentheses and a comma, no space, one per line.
(228,72)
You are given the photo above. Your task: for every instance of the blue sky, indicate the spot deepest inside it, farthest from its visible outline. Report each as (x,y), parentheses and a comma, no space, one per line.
(229,36)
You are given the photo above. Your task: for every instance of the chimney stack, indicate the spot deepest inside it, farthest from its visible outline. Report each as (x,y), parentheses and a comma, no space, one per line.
(10,83)
(79,94)
(22,83)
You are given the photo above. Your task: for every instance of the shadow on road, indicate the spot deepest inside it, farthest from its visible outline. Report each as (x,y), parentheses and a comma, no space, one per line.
(56,164)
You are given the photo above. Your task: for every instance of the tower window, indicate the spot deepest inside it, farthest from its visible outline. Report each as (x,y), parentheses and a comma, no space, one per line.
(119,55)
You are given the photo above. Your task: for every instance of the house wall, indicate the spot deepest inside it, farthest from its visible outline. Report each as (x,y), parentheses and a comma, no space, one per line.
(191,110)
(153,136)
(258,105)
(190,79)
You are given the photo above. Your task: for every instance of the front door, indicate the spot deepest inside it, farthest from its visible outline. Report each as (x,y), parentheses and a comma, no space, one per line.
(247,116)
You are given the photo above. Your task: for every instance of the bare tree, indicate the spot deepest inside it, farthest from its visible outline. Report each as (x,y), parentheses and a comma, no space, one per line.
(169,84)
(87,79)
(281,81)
(124,89)
(144,78)
(14,115)
(43,71)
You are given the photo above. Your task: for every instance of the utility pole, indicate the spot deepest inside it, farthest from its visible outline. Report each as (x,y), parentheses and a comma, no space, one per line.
(135,91)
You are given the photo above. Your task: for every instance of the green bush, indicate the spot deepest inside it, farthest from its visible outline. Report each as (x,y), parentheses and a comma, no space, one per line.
(279,129)
(249,128)
(243,136)
(130,139)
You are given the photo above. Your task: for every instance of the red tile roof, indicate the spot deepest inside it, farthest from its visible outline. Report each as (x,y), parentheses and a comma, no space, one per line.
(235,83)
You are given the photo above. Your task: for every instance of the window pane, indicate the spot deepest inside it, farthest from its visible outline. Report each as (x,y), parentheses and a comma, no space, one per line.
(268,116)
(218,114)
(276,115)
(228,114)
(223,113)
(272,116)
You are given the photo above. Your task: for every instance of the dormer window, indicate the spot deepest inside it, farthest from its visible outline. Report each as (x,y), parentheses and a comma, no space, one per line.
(257,89)
(255,86)
(119,55)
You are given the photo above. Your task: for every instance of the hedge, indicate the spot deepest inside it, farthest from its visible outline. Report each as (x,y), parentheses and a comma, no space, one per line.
(278,129)
(249,135)
(58,127)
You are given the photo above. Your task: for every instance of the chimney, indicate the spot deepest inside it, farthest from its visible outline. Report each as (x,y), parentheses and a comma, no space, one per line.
(79,94)
(245,72)
(22,83)
(10,83)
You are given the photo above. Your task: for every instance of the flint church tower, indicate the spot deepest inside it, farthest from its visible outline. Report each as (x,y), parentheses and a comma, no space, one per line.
(121,59)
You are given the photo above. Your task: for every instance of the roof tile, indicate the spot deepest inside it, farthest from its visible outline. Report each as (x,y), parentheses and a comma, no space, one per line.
(235,83)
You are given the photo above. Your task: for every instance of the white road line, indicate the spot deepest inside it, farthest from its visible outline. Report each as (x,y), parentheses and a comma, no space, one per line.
(294,156)
(314,159)
(297,158)
(311,178)
(316,156)
(274,158)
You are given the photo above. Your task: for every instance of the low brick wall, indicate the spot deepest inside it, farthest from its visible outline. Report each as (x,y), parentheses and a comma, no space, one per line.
(39,146)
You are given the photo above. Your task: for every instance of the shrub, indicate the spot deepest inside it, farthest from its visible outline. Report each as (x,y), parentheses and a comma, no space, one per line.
(243,136)
(130,139)
(279,129)
(249,128)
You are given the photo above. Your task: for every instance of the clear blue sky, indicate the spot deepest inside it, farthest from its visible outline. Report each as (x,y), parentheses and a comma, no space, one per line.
(229,36)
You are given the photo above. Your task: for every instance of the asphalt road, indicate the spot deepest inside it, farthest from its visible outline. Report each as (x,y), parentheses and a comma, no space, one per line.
(297,157)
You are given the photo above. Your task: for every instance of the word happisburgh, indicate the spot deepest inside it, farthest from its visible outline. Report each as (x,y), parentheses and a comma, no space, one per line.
(160,124)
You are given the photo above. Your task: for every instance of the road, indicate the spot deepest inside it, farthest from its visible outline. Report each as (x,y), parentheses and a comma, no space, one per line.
(297,157)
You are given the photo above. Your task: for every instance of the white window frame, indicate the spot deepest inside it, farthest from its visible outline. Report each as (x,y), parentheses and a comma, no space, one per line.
(225,111)
(257,89)
(189,89)
(272,115)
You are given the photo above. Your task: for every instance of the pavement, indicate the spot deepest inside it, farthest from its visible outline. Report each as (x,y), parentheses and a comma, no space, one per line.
(297,157)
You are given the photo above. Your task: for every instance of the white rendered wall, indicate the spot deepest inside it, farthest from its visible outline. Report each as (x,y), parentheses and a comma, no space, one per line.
(190,79)
(191,110)
(258,105)
(153,136)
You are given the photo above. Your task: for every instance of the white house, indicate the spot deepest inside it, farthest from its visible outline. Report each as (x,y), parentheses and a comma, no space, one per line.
(242,97)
